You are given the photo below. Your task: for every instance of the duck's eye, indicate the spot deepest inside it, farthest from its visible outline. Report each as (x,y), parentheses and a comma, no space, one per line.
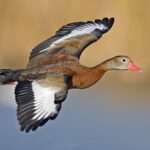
(124,60)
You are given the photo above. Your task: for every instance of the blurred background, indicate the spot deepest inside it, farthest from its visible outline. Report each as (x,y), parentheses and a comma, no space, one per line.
(113,114)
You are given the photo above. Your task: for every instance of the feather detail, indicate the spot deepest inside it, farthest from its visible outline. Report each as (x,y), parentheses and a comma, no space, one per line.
(36,104)
(74,30)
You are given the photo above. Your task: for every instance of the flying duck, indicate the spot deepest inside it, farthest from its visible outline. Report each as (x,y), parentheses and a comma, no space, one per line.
(54,68)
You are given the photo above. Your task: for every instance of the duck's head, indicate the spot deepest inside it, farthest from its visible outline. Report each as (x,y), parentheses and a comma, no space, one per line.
(121,63)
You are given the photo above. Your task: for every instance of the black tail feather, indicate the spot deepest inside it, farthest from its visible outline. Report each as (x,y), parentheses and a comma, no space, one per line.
(7,76)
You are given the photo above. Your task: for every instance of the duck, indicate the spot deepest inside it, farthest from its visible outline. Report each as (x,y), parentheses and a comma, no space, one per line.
(40,92)
(54,68)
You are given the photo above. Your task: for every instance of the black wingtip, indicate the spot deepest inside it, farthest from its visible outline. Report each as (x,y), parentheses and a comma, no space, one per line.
(108,22)
(112,20)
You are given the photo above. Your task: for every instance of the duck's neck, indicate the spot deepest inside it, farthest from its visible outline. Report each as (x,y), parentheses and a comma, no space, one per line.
(102,67)
(98,71)
(105,65)
(89,77)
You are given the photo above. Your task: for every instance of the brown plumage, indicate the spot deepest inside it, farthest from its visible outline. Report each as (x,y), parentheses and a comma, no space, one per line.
(54,68)
(80,76)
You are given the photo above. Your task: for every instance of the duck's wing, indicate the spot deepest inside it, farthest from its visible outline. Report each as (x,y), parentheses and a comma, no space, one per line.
(39,101)
(73,38)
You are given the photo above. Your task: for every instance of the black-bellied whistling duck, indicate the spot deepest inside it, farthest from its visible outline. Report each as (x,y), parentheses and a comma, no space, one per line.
(41,90)
(43,86)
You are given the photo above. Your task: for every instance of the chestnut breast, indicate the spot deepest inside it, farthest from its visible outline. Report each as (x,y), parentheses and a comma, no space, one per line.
(86,78)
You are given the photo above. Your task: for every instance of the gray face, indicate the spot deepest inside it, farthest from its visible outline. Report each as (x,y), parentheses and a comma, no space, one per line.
(119,63)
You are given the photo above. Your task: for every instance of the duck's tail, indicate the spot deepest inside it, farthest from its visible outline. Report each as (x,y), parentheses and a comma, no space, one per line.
(8,76)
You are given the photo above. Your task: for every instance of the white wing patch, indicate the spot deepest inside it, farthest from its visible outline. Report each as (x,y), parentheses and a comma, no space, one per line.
(44,98)
(82,30)
(37,103)
(63,38)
